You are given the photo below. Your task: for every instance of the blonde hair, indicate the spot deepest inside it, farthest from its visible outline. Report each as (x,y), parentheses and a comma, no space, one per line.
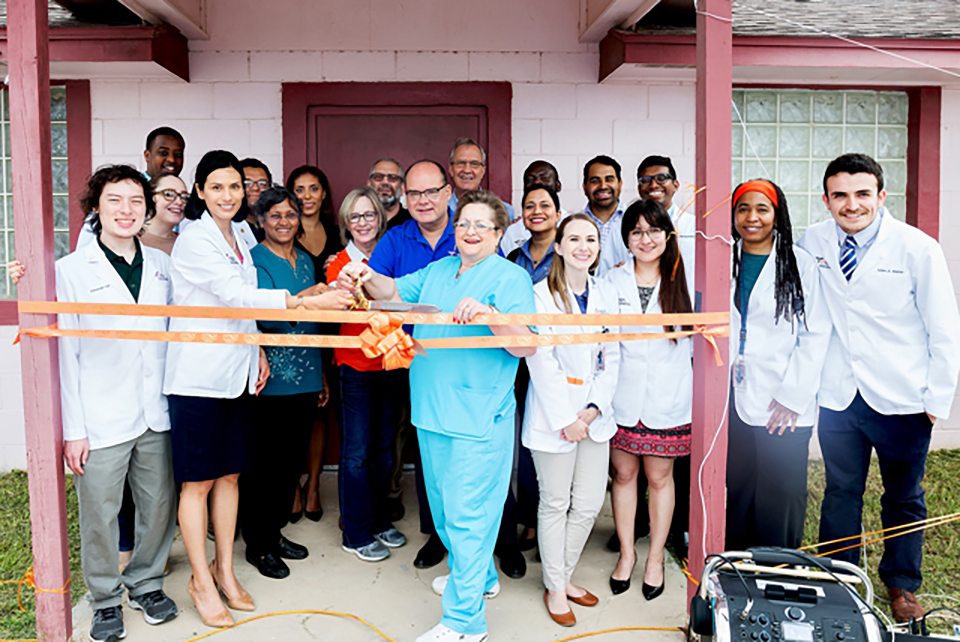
(557,277)
(346,209)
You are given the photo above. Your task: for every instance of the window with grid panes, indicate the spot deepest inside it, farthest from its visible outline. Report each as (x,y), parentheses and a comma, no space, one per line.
(789,137)
(61,199)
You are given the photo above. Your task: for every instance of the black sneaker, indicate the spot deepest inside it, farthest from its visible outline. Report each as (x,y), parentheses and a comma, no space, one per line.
(156,606)
(107,625)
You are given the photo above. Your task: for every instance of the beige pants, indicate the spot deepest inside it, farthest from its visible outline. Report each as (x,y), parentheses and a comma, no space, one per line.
(572,488)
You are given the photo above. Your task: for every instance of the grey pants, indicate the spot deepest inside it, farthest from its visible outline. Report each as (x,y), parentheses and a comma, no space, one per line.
(572,488)
(147,462)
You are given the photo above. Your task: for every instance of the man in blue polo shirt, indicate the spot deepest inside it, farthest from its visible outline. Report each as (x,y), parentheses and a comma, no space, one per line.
(403,250)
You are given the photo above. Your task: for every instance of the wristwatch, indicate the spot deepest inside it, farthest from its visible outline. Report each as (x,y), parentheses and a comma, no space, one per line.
(299,301)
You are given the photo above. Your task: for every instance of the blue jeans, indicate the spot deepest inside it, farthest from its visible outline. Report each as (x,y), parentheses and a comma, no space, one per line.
(901,442)
(367,423)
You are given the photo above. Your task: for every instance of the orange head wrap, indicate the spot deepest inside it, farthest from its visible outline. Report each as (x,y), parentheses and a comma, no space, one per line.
(759,185)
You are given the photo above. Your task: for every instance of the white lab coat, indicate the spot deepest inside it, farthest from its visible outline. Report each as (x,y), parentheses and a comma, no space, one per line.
(782,359)
(656,375)
(686,226)
(110,389)
(553,400)
(207,272)
(241,231)
(895,324)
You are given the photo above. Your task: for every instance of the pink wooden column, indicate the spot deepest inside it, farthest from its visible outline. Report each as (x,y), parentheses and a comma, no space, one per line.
(29,67)
(714,95)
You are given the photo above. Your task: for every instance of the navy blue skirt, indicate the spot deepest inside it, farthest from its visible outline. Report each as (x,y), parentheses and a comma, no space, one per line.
(211,438)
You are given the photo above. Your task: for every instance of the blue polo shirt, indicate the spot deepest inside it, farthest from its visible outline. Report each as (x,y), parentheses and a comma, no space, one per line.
(404,250)
(537,272)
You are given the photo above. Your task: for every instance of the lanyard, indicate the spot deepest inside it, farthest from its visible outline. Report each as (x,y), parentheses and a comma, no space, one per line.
(744,302)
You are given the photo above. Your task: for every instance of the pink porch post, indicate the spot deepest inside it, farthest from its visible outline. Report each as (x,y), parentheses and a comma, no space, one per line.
(29,67)
(714,96)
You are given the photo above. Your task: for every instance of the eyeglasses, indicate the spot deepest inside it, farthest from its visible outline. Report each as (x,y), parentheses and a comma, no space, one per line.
(479,226)
(262,184)
(369,217)
(653,233)
(463,164)
(432,194)
(276,219)
(390,178)
(662,179)
(170,195)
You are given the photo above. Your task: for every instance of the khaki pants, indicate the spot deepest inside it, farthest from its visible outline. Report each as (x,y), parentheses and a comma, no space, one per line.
(147,462)
(572,488)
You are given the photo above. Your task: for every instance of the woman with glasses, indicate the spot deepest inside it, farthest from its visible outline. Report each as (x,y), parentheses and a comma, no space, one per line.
(170,195)
(654,396)
(321,241)
(779,333)
(463,403)
(368,416)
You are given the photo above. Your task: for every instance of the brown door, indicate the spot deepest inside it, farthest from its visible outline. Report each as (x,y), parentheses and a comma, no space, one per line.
(342,128)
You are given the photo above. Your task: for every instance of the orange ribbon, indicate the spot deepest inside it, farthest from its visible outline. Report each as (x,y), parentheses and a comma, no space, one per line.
(29,581)
(709,334)
(385,337)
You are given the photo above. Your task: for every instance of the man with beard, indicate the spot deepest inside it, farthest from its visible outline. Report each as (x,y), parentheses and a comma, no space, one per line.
(386,177)
(602,184)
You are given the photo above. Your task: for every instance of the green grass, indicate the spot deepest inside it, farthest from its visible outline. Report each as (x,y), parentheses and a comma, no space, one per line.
(941,556)
(941,544)
(16,557)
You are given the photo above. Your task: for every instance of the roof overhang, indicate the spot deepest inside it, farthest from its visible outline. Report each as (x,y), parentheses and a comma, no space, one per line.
(114,52)
(628,56)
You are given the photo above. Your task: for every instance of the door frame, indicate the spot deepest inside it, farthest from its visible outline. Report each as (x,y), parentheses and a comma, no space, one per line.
(497,97)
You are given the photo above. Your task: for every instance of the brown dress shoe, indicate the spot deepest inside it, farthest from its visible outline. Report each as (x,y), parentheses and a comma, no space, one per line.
(587,599)
(904,605)
(563,619)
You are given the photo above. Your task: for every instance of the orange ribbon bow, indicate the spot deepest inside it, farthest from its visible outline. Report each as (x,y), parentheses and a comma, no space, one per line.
(385,337)
(709,334)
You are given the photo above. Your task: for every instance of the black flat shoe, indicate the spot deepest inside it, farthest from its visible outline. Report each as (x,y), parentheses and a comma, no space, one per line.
(651,592)
(269,565)
(291,550)
(513,564)
(621,586)
(312,515)
(431,554)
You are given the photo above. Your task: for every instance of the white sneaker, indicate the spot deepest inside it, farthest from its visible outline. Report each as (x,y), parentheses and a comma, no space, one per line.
(439,584)
(440,633)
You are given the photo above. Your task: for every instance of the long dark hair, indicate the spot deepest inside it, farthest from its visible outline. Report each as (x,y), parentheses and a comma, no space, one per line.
(674,297)
(327,211)
(557,277)
(788,287)
(211,162)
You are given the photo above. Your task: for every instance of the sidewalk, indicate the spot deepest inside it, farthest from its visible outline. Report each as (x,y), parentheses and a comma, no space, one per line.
(396,597)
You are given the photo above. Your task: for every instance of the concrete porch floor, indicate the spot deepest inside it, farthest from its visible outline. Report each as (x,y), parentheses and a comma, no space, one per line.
(396,598)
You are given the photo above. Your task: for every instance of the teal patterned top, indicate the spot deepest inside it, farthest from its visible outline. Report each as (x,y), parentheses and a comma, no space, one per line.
(292,370)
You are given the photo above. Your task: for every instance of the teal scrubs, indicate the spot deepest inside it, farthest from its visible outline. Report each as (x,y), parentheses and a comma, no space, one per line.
(462,403)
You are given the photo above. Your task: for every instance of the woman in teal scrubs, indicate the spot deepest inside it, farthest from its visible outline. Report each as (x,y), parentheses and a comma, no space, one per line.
(463,403)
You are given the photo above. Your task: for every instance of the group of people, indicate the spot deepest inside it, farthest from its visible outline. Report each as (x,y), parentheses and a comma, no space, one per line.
(859,319)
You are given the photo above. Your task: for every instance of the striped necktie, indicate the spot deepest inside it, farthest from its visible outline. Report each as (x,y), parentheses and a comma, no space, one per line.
(848,257)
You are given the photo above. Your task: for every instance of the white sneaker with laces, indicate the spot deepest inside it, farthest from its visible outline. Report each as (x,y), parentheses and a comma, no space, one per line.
(440,584)
(441,633)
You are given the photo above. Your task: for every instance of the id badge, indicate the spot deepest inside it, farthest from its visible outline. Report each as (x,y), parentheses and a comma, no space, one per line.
(601,362)
(739,373)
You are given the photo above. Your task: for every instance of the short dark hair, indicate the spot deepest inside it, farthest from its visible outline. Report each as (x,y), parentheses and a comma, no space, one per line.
(326,205)
(657,161)
(854,164)
(105,175)
(501,219)
(601,160)
(440,168)
(540,186)
(274,195)
(211,162)
(164,131)
(258,164)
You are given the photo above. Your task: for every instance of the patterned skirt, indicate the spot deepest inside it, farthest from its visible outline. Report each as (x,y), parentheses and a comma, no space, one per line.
(665,442)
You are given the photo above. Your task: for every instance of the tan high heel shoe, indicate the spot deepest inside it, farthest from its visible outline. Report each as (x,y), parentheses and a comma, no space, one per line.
(220,620)
(242,603)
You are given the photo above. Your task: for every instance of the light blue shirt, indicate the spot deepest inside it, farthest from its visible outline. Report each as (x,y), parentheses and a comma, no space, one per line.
(864,237)
(612,250)
(463,392)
